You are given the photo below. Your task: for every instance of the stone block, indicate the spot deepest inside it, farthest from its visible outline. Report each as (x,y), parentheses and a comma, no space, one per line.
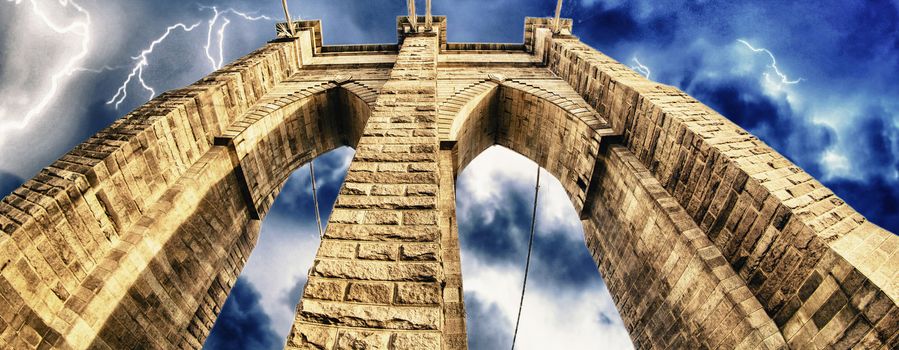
(352,340)
(418,294)
(419,252)
(377,271)
(318,288)
(375,293)
(371,316)
(416,341)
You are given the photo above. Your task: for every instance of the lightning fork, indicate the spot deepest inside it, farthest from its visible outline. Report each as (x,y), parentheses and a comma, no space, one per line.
(640,68)
(80,28)
(142,61)
(221,32)
(783,77)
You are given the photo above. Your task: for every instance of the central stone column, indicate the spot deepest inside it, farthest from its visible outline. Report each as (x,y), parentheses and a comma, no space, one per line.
(379,275)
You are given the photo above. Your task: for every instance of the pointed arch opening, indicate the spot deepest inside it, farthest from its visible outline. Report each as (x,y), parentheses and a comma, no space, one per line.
(194,243)
(566,304)
(261,306)
(659,267)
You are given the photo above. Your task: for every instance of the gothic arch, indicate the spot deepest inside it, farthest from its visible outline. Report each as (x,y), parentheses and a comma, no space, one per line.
(564,136)
(203,249)
(278,136)
(561,133)
(136,236)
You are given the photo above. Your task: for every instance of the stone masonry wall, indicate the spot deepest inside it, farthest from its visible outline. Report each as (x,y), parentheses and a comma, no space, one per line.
(62,226)
(517,117)
(820,270)
(672,286)
(377,280)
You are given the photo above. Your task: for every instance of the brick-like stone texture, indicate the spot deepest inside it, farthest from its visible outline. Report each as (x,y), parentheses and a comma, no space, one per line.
(785,234)
(389,204)
(706,237)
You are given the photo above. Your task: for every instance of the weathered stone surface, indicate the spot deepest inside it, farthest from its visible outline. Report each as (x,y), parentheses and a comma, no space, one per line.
(418,293)
(377,293)
(312,337)
(337,249)
(370,316)
(324,289)
(419,252)
(377,251)
(353,340)
(382,233)
(417,341)
(377,270)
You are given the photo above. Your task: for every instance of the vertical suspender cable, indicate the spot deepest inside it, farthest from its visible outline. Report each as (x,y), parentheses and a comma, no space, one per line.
(429,22)
(318,216)
(289,21)
(527,264)
(557,22)
(413,17)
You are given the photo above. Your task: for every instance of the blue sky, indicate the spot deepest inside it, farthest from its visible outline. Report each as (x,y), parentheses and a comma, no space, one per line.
(829,104)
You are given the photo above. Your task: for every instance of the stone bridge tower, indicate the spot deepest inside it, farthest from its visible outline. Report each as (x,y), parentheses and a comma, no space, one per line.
(706,237)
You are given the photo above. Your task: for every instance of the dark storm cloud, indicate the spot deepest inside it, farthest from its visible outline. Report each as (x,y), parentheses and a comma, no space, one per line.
(292,297)
(772,120)
(867,29)
(875,193)
(9,182)
(374,21)
(877,199)
(242,323)
(878,142)
(490,21)
(487,329)
(605,319)
(603,27)
(497,234)
(574,269)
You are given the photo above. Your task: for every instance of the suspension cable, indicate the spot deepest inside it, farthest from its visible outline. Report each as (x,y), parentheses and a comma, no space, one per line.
(428,19)
(289,20)
(413,17)
(557,27)
(318,217)
(527,264)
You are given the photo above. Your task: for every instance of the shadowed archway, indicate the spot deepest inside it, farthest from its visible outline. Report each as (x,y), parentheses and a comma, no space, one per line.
(192,269)
(625,216)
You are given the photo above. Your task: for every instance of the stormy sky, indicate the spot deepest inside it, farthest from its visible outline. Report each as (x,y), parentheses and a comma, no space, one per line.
(817,80)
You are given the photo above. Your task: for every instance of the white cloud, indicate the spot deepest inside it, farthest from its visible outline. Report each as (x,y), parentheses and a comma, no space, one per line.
(283,256)
(836,164)
(287,245)
(554,316)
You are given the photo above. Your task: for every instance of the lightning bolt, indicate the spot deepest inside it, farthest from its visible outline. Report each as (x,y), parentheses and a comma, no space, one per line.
(216,64)
(783,77)
(221,34)
(80,28)
(142,59)
(640,68)
(141,62)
